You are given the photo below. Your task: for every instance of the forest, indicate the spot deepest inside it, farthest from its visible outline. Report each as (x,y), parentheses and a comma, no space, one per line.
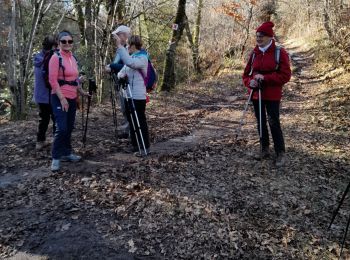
(200,193)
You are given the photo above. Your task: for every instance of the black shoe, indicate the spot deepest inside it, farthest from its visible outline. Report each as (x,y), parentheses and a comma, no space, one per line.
(280,160)
(148,152)
(264,154)
(123,136)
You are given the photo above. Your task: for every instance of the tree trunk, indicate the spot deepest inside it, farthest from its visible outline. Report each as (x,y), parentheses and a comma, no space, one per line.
(326,20)
(121,11)
(247,29)
(29,47)
(169,66)
(89,36)
(80,17)
(195,51)
(17,108)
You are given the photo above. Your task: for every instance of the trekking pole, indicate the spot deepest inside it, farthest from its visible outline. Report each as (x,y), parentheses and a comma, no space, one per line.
(131,117)
(335,213)
(241,121)
(92,88)
(138,122)
(82,111)
(260,118)
(114,109)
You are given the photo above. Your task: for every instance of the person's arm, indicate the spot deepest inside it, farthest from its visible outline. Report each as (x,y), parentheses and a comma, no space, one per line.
(38,59)
(138,62)
(122,73)
(116,67)
(283,74)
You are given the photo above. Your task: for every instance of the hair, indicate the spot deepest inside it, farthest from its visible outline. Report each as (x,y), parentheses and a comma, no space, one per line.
(48,42)
(136,40)
(64,33)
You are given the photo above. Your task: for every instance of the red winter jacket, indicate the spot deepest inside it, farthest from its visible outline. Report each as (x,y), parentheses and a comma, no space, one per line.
(265,63)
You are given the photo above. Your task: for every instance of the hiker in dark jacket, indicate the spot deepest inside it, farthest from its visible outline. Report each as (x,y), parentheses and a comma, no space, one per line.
(124,33)
(41,93)
(262,66)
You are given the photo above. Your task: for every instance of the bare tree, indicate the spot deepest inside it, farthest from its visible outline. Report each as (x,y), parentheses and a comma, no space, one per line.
(169,66)
(20,53)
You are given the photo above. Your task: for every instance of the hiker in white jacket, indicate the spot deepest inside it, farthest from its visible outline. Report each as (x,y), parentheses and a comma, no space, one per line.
(136,63)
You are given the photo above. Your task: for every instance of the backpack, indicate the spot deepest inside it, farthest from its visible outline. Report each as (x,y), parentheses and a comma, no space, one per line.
(277,59)
(45,65)
(151,78)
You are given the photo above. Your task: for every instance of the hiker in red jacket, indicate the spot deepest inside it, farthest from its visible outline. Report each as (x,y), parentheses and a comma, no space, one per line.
(264,66)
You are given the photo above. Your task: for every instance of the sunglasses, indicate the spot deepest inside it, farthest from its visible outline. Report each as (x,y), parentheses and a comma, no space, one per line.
(65,41)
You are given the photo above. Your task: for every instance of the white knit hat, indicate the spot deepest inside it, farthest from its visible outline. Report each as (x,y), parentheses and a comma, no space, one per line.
(122,29)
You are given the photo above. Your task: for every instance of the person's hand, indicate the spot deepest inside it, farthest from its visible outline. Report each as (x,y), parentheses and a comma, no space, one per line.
(82,78)
(258,77)
(86,94)
(117,40)
(108,68)
(253,84)
(64,104)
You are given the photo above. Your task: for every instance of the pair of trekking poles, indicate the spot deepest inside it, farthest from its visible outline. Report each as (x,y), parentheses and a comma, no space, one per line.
(259,87)
(122,85)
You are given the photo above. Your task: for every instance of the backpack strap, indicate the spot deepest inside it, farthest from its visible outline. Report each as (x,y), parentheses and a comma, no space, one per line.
(60,63)
(251,63)
(277,57)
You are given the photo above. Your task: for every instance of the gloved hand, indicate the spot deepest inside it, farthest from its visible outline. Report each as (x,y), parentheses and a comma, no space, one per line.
(253,84)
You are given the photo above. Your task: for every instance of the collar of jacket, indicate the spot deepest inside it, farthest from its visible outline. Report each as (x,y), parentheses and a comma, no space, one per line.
(140,53)
(270,49)
(66,54)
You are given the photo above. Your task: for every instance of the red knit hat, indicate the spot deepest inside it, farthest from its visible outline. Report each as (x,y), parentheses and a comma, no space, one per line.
(266,28)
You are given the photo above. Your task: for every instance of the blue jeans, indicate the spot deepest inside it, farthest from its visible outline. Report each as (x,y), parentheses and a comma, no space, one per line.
(64,127)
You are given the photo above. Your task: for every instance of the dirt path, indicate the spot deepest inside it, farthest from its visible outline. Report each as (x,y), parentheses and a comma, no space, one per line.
(198,196)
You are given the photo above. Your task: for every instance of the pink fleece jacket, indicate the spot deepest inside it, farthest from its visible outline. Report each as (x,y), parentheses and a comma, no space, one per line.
(71,74)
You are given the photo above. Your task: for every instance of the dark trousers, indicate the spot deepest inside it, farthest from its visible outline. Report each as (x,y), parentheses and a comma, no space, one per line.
(45,114)
(64,127)
(140,107)
(273,116)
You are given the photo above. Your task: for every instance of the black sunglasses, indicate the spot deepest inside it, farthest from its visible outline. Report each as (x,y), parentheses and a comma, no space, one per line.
(65,41)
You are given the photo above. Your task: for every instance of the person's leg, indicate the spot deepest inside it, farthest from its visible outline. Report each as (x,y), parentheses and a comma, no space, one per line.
(265,132)
(70,125)
(141,114)
(129,112)
(124,126)
(53,121)
(44,120)
(273,112)
(58,146)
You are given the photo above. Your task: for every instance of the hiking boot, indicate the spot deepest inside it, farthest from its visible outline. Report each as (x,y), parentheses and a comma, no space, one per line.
(39,145)
(265,153)
(280,160)
(71,158)
(123,135)
(148,151)
(55,165)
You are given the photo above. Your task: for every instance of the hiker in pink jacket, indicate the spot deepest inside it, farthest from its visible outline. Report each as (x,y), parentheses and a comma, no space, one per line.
(65,82)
